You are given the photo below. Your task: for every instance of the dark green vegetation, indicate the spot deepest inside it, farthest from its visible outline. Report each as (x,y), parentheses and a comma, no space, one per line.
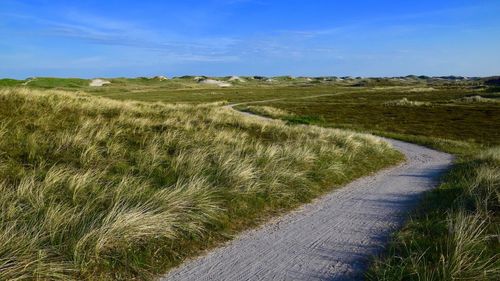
(438,112)
(453,235)
(93,188)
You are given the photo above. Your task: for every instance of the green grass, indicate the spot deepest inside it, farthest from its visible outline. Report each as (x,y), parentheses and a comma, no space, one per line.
(57,83)
(10,82)
(98,189)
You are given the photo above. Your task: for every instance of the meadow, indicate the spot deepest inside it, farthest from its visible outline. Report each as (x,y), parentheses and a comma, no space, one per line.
(99,189)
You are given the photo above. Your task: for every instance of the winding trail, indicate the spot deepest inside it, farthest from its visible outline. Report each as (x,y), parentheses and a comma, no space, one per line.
(331,238)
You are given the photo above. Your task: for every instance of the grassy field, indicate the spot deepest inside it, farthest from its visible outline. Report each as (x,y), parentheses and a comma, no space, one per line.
(453,235)
(94,188)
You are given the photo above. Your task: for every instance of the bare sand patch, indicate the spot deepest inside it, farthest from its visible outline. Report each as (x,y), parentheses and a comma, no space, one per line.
(160,78)
(215,83)
(236,79)
(98,82)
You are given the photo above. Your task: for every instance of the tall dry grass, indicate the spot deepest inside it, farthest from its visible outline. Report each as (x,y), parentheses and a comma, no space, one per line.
(93,188)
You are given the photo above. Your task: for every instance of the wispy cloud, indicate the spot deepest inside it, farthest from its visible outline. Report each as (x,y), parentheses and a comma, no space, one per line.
(119,33)
(112,32)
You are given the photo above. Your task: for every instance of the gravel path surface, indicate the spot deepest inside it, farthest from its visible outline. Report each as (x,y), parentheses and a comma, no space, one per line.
(331,238)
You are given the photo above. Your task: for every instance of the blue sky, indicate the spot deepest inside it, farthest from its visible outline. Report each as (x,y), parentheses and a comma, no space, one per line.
(248,37)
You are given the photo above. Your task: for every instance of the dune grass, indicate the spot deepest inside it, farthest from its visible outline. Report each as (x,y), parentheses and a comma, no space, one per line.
(97,189)
(452,236)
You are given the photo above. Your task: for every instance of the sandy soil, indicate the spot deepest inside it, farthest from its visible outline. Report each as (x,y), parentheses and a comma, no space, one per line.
(215,82)
(236,79)
(98,83)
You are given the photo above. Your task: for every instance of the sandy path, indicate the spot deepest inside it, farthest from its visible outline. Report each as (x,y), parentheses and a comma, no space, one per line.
(331,238)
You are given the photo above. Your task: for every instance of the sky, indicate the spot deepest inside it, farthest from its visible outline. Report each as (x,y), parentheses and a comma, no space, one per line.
(131,38)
